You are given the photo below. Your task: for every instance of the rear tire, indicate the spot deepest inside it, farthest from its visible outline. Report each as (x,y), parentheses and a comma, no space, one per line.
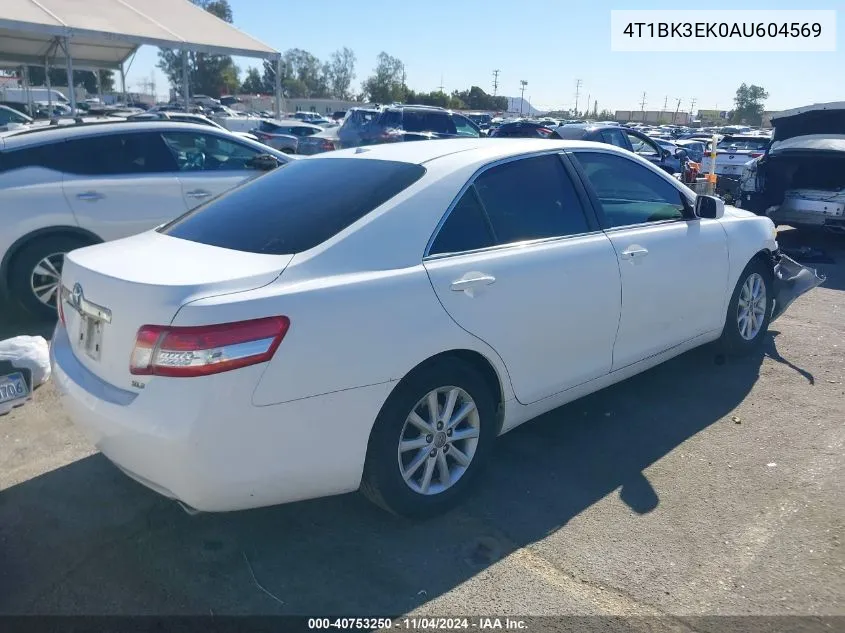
(418,471)
(35,273)
(749,311)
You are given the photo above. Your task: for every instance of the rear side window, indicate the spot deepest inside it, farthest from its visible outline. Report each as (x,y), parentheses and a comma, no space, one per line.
(46,156)
(466,229)
(291,209)
(422,121)
(529,199)
(117,154)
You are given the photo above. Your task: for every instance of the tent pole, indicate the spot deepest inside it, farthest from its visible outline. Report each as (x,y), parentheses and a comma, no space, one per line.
(70,87)
(278,88)
(123,85)
(48,84)
(186,90)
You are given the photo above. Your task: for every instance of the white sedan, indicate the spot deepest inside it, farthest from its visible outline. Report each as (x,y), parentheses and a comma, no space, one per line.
(373,318)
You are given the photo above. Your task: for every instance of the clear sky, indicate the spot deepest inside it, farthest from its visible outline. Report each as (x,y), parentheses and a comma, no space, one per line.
(548,43)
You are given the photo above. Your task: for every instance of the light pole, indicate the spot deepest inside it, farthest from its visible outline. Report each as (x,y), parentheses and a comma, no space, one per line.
(522,84)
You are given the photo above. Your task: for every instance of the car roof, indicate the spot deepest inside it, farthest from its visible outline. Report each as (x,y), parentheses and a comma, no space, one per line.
(473,150)
(56,133)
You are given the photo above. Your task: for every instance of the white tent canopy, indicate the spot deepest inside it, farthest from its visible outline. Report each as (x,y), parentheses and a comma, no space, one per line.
(105,33)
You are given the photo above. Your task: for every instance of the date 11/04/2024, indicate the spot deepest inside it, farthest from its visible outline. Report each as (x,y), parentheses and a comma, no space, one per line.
(418,623)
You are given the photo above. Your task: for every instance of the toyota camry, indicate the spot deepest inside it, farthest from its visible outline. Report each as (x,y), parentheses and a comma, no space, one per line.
(374,318)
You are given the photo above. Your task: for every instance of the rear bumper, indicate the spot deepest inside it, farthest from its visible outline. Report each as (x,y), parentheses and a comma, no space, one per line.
(204,443)
(791,281)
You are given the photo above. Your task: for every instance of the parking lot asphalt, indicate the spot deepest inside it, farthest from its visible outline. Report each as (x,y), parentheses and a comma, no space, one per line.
(704,486)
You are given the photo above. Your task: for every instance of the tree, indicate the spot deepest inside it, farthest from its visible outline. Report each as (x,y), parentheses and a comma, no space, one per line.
(476,99)
(307,70)
(207,74)
(253,83)
(85,78)
(339,72)
(749,104)
(388,83)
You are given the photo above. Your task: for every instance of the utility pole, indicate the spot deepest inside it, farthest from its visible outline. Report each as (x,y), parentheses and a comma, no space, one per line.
(677,108)
(692,107)
(440,87)
(495,81)
(577,92)
(665,102)
(522,84)
(589,96)
(642,107)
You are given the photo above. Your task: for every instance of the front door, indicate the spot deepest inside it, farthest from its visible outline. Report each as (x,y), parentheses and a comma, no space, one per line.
(674,266)
(520,265)
(209,164)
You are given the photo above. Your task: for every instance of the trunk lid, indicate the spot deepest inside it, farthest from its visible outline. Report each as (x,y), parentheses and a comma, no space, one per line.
(144,280)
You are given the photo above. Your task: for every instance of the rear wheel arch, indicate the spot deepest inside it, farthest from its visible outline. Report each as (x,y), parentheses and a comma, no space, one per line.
(474,360)
(40,234)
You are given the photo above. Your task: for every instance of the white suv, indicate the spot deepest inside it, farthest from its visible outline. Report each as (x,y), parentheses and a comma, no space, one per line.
(66,187)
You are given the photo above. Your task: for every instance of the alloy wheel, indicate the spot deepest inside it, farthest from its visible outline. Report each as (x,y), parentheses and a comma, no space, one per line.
(751,307)
(45,278)
(438,440)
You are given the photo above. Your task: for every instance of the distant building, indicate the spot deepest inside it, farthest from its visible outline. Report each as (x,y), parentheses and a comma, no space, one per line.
(657,117)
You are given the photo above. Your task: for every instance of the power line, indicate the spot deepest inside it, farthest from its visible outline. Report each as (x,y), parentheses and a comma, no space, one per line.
(495,81)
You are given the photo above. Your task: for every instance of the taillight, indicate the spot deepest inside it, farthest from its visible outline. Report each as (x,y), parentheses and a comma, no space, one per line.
(207,349)
(544,132)
(756,154)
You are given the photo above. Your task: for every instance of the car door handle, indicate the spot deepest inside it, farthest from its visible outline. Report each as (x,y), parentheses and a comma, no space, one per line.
(198,193)
(90,196)
(632,252)
(466,283)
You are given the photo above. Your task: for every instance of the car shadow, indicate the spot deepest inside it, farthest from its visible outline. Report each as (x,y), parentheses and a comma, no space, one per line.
(86,539)
(15,322)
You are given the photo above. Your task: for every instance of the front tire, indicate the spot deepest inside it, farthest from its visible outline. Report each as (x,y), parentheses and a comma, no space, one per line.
(36,271)
(750,310)
(430,440)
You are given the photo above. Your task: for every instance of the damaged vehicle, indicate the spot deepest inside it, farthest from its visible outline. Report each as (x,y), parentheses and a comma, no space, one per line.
(292,340)
(800,180)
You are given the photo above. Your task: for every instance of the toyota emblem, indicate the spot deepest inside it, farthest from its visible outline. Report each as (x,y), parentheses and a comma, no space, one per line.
(76,296)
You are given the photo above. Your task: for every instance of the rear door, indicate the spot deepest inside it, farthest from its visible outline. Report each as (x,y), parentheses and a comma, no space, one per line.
(209,164)
(520,265)
(121,184)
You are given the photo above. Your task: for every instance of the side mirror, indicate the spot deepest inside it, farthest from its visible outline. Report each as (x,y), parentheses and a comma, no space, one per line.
(709,207)
(680,153)
(263,162)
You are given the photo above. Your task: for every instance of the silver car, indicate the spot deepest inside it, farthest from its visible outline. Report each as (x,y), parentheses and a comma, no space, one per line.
(284,135)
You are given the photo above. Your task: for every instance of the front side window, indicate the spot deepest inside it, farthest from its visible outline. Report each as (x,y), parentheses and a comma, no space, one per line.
(643,147)
(464,126)
(614,137)
(630,193)
(197,151)
(530,198)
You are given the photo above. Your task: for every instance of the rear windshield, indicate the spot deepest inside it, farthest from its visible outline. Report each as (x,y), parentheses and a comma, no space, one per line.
(743,143)
(295,207)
